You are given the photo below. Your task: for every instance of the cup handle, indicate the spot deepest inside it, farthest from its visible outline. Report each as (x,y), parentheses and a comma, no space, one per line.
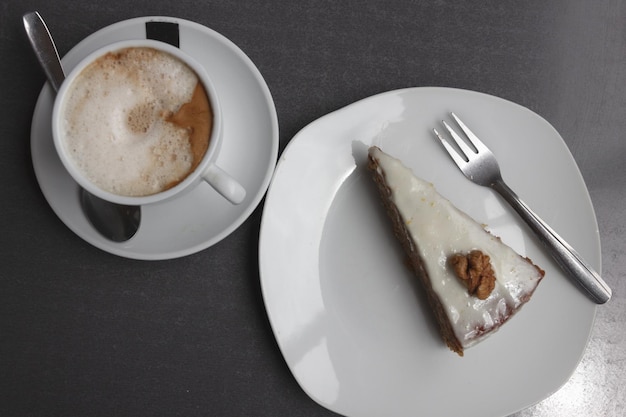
(224,184)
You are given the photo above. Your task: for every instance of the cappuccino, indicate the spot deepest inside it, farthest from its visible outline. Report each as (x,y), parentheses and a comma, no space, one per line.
(137,121)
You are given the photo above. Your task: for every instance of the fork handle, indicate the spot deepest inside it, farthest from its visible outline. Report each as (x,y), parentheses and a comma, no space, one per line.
(567,258)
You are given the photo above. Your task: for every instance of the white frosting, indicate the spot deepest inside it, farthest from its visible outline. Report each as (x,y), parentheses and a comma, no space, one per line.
(440,230)
(115,127)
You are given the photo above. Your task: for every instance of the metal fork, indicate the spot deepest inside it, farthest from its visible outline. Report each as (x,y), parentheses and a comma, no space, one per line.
(481,167)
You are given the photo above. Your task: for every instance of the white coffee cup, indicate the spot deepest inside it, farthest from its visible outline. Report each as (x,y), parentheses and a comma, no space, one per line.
(206,170)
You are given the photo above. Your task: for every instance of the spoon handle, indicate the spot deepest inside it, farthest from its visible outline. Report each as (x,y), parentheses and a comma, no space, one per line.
(43,45)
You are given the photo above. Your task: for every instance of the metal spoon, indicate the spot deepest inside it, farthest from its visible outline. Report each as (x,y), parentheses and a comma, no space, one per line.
(114,221)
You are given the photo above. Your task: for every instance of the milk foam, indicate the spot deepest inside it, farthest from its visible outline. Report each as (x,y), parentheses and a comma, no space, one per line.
(115,121)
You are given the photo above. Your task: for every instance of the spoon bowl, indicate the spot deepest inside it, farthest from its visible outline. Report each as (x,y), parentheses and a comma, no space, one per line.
(116,222)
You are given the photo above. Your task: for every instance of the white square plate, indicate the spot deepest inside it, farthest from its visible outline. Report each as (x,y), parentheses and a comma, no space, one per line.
(350,320)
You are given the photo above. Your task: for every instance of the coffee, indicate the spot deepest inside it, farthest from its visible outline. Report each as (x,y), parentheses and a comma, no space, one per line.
(137,121)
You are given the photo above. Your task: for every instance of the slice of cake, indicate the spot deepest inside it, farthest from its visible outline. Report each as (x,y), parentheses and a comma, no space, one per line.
(474,282)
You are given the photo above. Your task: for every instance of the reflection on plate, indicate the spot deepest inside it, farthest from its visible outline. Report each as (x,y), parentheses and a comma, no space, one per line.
(348,317)
(200,218)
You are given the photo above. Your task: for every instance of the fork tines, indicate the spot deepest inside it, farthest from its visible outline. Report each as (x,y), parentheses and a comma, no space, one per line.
(467,152)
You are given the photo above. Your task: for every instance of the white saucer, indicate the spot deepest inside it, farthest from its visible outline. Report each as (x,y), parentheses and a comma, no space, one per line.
(200,218)
(354,328)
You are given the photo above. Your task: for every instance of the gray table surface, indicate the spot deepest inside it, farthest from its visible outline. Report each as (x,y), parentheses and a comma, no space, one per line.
(87,333)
